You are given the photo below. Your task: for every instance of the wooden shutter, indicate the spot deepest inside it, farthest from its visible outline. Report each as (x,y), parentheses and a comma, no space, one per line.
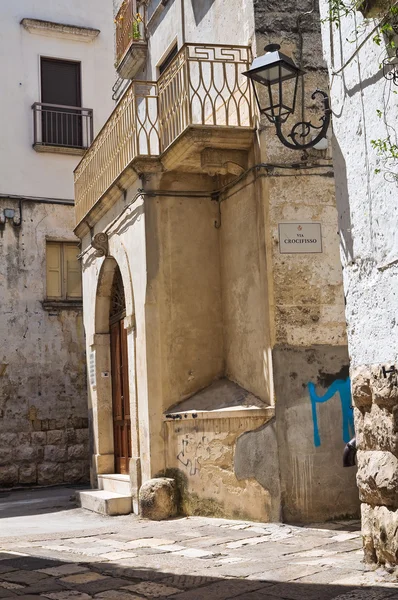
(54,271)
(73,278)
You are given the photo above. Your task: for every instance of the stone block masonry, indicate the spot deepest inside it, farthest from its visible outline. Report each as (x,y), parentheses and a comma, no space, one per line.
(53,452)
(375,395)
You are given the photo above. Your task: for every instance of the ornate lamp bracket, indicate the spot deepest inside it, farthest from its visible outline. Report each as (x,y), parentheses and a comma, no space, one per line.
(303,129)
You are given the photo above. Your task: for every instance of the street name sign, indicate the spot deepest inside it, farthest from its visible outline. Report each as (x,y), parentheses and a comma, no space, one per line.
(300,238)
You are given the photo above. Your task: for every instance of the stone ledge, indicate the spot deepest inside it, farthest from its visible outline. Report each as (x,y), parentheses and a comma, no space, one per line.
(59,149)
(56,305)
(223,413)
(49,28)
(223,399)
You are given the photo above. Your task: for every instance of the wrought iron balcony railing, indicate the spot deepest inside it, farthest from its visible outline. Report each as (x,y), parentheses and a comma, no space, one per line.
(130,26)
(130,131)
(203,86)
(58,126)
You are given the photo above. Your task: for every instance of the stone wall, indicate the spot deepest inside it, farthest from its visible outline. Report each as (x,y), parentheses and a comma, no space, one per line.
(224,468)
(376,419)
(314,421)
(43,407)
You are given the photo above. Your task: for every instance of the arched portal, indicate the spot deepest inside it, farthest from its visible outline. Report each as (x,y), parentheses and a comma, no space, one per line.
(114,395)
(120,376)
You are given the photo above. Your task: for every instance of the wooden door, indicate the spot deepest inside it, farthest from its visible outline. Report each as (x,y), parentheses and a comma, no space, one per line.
(120,397)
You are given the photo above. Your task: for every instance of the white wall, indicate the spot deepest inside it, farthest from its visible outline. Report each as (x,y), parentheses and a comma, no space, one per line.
(367,201)
(24,171)
(206,21)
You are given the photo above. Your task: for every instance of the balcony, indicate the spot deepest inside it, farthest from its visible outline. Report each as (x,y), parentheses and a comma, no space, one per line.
(131,43)
(62,129)
(202,100)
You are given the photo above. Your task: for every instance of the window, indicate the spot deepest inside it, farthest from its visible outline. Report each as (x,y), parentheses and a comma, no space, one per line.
(165,63)
(61,91)
(64,280)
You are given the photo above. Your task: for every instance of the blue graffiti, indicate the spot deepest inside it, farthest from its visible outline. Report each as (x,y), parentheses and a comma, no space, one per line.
(342,387)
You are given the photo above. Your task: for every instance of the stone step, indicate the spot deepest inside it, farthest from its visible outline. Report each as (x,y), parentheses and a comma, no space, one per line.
(113,482)
(106,503)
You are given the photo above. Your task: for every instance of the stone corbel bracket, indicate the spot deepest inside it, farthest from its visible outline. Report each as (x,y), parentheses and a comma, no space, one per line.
(100,244)
(50,29)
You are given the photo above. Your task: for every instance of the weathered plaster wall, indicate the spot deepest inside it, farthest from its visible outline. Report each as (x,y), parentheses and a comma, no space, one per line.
(364,110)
(207,21)
(43,407)
(246,319)
(367,200)
(203,449)
(26,172)
(188,290)
(314,421)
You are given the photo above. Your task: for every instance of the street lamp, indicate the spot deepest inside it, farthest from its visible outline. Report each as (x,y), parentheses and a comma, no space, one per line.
(272,71)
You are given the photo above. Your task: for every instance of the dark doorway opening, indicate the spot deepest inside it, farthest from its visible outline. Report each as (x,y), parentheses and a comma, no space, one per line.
(60,93)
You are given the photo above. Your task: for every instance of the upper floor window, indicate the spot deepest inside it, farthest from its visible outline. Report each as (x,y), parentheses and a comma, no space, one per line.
(64,280)
(59,119)
(168,59)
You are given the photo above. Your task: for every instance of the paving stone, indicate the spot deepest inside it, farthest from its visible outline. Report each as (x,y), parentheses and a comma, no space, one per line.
(7,585)
(365,594)
(148,543)
(118,555)
(25,577)
(46,585)
(102,585)
(253,541)
(149,589)
(7,593)
(32,563)
(326,575)
(8,555)
(221,590)
(68,569)
(296,591)
(258,595)
(82,578)
(5,568)
(186,582)
(194,553)
(343,537)
(117,595)
(285,574)
(28,597)
(67,595)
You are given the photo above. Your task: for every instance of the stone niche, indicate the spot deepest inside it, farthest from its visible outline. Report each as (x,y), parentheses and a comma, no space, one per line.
(375,395)
(203,438)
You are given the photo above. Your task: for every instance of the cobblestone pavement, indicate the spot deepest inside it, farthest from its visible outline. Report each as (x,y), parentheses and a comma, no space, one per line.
(51,550)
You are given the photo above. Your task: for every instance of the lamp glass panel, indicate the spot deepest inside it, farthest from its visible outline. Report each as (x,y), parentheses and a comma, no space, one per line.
(271,74)
(277,100)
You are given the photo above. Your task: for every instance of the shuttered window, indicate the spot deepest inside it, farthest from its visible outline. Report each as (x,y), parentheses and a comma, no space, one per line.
(64,281)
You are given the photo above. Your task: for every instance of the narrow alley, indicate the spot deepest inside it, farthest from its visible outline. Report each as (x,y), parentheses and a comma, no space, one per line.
(50,549)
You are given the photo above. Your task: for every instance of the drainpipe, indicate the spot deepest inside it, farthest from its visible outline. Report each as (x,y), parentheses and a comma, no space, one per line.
(182,23)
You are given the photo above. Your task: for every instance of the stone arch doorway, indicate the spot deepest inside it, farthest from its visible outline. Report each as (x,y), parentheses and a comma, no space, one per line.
(120,376)
(114,305)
